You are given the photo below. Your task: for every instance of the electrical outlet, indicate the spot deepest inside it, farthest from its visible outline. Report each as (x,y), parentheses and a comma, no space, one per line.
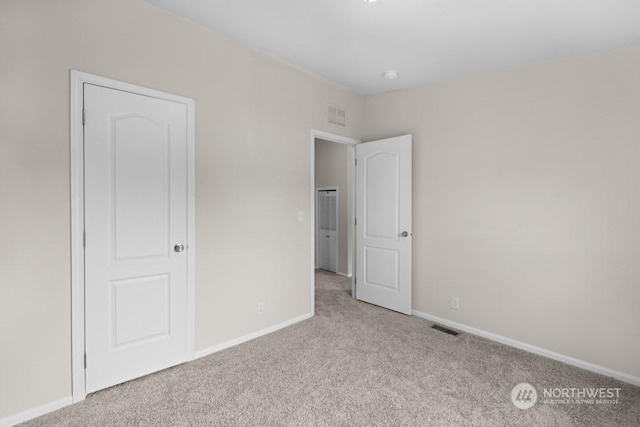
(261,308)
(455,303)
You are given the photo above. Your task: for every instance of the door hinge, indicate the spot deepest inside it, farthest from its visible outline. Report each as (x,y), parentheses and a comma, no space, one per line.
(355,222)
(355,280)
(356,162)
(85,361)
(84,116)
(84,239)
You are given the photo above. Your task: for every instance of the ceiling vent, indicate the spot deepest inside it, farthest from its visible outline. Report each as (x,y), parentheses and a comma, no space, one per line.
(337,116)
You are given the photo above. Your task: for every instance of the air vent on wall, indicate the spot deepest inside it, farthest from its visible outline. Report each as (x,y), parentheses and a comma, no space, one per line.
(337,116)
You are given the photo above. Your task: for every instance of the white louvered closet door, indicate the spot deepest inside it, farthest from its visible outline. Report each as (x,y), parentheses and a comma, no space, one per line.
(327,223)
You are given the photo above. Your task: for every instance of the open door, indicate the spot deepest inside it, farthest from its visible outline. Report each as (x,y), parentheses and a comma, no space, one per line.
(383,228)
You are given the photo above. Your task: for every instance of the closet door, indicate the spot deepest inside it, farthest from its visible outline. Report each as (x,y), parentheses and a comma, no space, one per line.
(327,230)
(136,233)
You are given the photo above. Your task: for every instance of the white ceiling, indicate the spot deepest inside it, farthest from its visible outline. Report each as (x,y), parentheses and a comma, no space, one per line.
(352,42)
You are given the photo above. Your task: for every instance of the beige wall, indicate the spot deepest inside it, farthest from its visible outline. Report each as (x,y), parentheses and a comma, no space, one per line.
(527,202)
(253,121)
(525,194)
(332,170)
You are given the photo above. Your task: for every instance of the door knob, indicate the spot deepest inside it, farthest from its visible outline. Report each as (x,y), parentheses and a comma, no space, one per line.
(178,247)
(404,234)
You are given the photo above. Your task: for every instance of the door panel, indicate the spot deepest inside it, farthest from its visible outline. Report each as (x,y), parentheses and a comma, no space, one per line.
(140,195)
(381,195)
(383,199)
(132,325)
(135,212)
(381,268)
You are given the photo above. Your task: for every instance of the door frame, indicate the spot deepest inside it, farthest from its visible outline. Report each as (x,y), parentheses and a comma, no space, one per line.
(337,190)
(77,81)
(339,139)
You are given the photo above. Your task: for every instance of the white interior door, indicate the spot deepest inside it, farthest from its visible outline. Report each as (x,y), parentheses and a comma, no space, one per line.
(135,220)
(327,235)
(383,230)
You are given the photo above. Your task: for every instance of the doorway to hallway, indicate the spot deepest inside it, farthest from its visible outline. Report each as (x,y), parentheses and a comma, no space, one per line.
(332,206)
(379,238)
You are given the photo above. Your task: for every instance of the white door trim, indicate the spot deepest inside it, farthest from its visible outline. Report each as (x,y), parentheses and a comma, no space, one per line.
(78,79)
(312,208)
(337,190)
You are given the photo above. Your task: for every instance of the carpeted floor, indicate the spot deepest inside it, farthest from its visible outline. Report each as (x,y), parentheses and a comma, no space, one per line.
(352,364)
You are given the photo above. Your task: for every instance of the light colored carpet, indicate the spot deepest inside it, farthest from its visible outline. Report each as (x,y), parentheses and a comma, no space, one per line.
(352,364)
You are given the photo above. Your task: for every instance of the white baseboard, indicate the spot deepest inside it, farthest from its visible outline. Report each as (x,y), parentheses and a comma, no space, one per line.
(343,274)
(223,346)
(32,413)
(532,349)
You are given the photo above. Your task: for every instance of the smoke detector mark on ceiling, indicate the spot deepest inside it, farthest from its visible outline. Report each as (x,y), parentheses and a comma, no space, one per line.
(390,74)
(337,116)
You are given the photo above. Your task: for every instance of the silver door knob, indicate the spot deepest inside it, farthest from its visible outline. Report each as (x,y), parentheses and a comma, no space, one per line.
(179,247)
(404,234)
